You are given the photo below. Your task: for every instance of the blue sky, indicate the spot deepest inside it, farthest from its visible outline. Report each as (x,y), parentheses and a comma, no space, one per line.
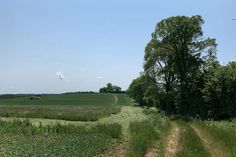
(53,46)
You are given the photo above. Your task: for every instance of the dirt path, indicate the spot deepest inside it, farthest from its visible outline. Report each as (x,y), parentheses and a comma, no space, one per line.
(171,147)
(213,147)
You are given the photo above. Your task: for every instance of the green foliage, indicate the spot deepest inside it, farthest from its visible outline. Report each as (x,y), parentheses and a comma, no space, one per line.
(142,137)
(186,78)
(136,90)
(20,138)
(110,89)
(220,91)
(142,90)
(174,56)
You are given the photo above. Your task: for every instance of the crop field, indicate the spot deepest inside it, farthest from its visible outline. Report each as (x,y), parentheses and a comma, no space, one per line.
(113,127)
(20,138)
(80,99)
(74,107)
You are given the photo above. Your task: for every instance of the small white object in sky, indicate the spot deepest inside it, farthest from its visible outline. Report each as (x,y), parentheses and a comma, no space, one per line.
(60,75)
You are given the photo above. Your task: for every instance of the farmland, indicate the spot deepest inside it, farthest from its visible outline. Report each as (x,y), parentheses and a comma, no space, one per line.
(81,107)
(119,130)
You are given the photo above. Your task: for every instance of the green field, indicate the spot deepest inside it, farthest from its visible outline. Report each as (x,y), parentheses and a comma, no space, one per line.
(74,107)
(80,99)
(105,125)
(23,139)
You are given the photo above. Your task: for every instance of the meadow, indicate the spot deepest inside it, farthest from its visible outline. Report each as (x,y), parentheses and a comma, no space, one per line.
(73,107)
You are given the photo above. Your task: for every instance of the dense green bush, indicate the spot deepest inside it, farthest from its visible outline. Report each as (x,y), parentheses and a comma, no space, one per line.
(220,92)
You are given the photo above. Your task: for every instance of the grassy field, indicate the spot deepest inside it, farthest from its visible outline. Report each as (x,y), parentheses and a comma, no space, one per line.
(80,99)
(105,125)
(74,107)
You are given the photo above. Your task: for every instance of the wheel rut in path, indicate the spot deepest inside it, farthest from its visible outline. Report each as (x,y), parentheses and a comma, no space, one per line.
(213,147)
(172,141)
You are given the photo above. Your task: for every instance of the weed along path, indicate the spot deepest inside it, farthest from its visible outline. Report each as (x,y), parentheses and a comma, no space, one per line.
(213,146)
(172,141)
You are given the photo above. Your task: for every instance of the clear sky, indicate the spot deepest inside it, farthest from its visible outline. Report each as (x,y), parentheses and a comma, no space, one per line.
(53,46)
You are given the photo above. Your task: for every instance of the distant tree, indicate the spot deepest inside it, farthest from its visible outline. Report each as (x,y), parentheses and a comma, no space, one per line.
(116,89)
(110,89)
(103,90)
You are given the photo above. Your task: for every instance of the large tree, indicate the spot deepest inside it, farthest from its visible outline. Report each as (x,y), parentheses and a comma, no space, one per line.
(175,56)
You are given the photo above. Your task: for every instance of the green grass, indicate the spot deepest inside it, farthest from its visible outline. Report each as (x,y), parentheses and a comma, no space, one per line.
(223,132)
(23,139)
(72,113)
(123,100)
(73,107)
(190,144)
(63,99)
(142,137)
(162,125)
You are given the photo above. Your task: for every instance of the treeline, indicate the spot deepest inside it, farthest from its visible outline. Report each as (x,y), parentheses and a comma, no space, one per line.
(182,74)
(111,89)
(79,92)
(9,96)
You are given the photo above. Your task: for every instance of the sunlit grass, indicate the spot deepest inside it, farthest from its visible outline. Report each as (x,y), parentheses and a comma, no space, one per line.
(72,113)
(73,107)
(190,145)
(20,138)
(142,137)
(223,132)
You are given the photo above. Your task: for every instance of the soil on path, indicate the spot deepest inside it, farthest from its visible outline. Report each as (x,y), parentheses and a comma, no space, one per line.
(171,147)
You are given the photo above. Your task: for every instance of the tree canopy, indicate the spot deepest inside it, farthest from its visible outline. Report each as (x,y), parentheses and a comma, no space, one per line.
(110,89)
(182,65)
